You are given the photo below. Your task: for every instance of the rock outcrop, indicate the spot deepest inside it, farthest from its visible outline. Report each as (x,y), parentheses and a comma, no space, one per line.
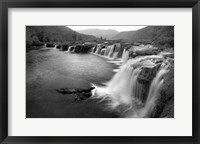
(165,103)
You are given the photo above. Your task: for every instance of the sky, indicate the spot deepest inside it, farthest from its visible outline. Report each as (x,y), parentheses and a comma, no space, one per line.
(118,28)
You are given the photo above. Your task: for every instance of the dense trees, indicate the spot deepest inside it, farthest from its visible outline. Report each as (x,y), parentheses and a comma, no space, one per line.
(38,35)
(158,35)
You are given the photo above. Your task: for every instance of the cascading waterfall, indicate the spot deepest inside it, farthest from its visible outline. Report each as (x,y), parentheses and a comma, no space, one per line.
(98,50)
(107,51)
(111,51)
(125,57)
(115,55)
(153,94)
(69,49)
(124,51)
(122,92)
(93,50)
(102,51)
(119,89)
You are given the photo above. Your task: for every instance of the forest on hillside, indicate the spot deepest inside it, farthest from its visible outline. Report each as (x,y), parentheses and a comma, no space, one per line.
(38,35)
(156,35)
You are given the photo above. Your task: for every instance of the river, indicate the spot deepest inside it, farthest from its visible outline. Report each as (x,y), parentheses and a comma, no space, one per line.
(51,69)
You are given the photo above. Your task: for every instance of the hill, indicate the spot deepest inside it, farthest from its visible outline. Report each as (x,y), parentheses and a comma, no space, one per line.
(100,33)
(37,35)
(159,35)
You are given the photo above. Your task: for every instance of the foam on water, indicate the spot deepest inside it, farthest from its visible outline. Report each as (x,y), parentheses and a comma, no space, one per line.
(123,90)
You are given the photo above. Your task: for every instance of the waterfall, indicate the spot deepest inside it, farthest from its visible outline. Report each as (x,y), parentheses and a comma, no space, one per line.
(55,46)
(102,51)
(92,50)
(120,89)
(111,51)
(125,57)
(107,51)
(124,93)
(98,50)
(124,51)
(154,92)
(69,49)
(115,55)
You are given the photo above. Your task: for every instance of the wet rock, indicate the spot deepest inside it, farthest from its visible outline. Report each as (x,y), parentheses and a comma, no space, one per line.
(145,78)
(50,44)
(58,46)
(143,50)
(103,51)
(117,47)
(82,48)
(65,47)
(142,89)
(66,91)
(165,103)
(80,94)
(168,109)
(148,73)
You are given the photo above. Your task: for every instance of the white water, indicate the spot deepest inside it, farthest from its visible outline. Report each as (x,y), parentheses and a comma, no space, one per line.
(93,50)
(107,50)
(111,51)
(154,93)
(124,90)
(69,49)
(123,54)
(98,50)
(55,46)
(115,55)
(125,57)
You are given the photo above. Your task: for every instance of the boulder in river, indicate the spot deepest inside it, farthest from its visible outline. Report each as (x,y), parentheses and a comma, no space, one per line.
(80,94)
(65,47)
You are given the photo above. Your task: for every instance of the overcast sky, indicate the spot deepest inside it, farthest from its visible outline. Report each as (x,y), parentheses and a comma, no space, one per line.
(118,28)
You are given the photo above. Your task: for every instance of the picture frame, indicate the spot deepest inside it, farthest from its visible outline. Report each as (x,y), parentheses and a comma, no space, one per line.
(4,61)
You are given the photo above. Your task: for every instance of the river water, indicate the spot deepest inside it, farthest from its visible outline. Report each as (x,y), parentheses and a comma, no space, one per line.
(51,69)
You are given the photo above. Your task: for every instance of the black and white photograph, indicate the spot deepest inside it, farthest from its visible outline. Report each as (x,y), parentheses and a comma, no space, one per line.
(99,71)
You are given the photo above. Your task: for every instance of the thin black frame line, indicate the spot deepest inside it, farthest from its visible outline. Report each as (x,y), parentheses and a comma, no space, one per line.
(196,21)
(195,72)
(103,3)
